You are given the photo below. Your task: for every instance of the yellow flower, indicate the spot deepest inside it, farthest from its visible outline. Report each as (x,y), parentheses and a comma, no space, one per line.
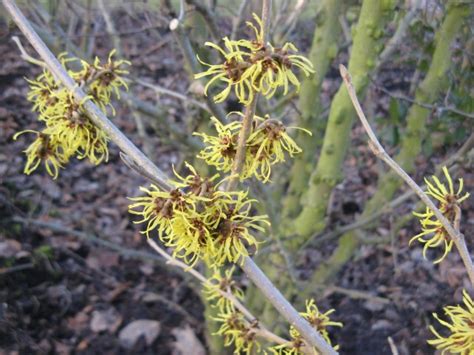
(76,132)
(190,237)
(231,222)
(69,130)
(198,221)
(41,91)
(319,321)
(158,208)
(238,332)
(44,149)
(272,68)
(255,67)
(220,151)
(267,145)
(461,329)
(217,284)
(433,233)
(104,79)
(229,72)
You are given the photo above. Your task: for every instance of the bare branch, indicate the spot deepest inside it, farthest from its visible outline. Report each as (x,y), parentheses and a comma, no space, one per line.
(177,95)
(425,105)
(238,19)
(380,152)
(261,331)
(245,131)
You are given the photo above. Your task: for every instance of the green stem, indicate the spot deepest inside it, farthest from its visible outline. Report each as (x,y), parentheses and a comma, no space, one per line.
(324,49)
(336,139)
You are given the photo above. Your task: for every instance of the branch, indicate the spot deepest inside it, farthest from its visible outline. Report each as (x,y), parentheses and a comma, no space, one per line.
(56,227)
(261,330)
(399,34)
(425,105)
(245,131)
(318,239)
(380,152)
(189,56)
(99,119)
(238,19)
(177,95)
(95,114)
(239,160)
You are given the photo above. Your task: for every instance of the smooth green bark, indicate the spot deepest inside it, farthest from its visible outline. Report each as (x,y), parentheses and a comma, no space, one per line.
(336,139)
(324,49)
(427,92)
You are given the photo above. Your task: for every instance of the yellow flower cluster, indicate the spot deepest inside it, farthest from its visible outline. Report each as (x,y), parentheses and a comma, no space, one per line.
(266,146)
(68,130)
(217,284)
(199,221)
(252,66)
(319,321)
(237,331)
(433,233)
(461,328)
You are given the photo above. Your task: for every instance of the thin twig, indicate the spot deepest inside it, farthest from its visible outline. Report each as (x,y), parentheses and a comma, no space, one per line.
(190,57)
(111,30)
(110,27)
(388,207)
(25,56)
(440,109)
(177,95)
(228,295)
(90,238)
(239,160)
(16,268)
(238,19)
(354,294)
(292,19)
(393,347)
(208,16)
(380,152)
(399,34)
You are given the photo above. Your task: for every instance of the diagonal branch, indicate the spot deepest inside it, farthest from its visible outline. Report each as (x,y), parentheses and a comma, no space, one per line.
(380,152)
(260,331)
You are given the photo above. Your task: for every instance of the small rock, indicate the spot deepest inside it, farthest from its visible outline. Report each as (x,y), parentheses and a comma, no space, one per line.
(109,320)
(381,324)
(148,328)
(9,248)
(187,342)
(374,305)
